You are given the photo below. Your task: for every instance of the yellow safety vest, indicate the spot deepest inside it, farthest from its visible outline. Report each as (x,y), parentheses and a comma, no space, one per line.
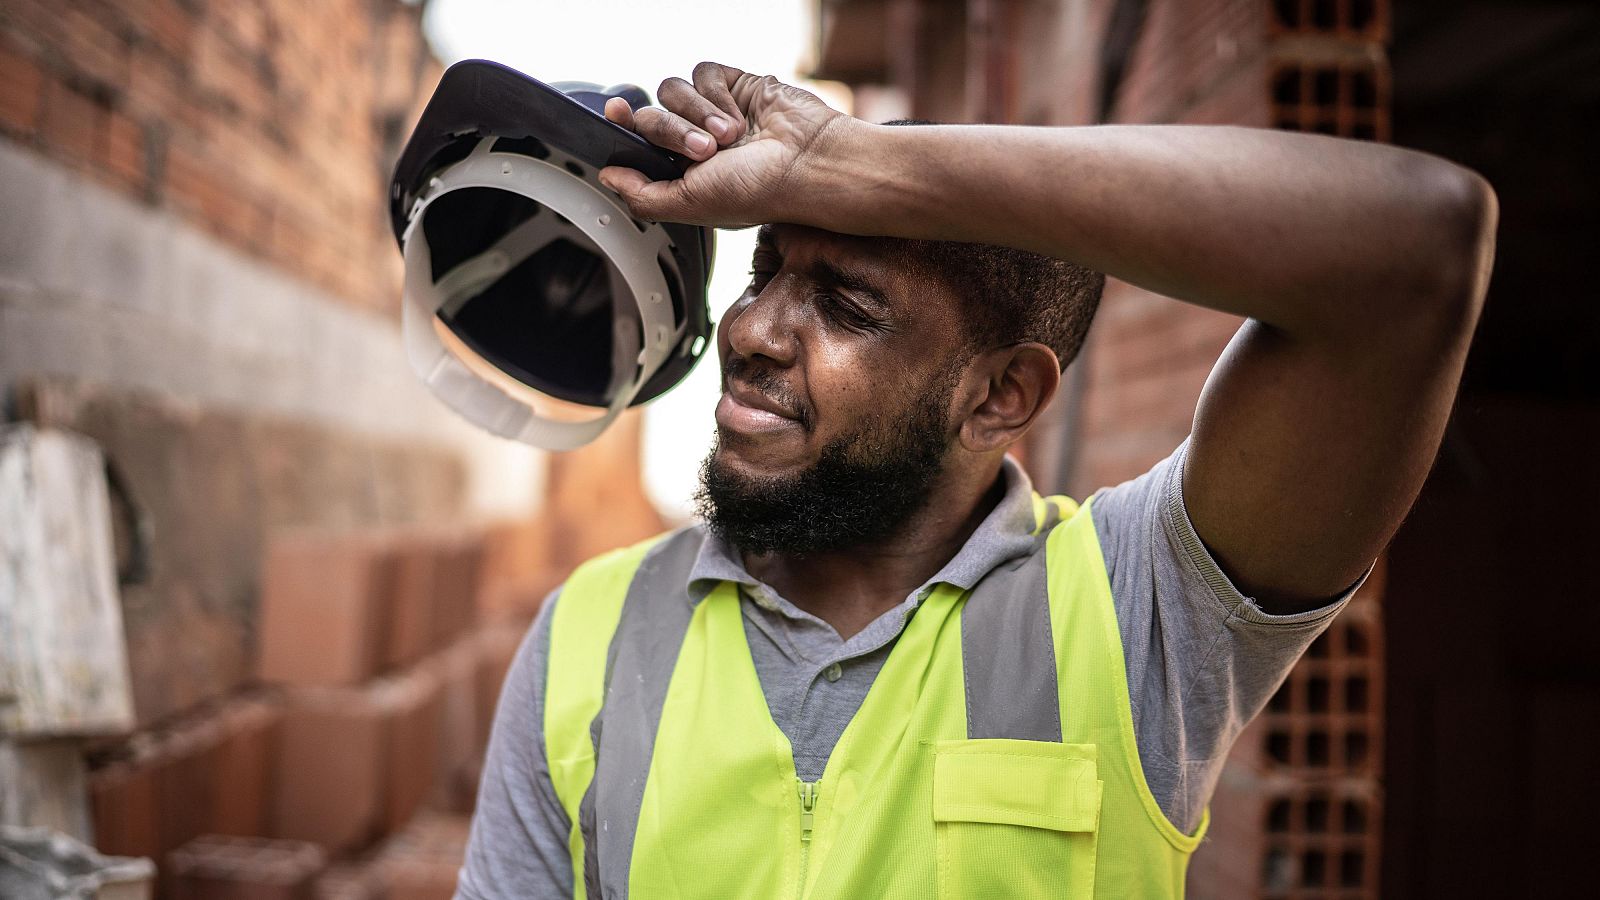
(994,755)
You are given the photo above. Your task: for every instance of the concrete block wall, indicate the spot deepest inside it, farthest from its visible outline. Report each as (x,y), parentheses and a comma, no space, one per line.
(369,760)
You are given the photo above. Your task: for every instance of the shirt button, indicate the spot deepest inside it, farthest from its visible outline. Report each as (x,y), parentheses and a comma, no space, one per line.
(833,672)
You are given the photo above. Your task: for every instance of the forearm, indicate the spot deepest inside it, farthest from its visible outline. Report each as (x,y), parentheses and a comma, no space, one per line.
(1309,234)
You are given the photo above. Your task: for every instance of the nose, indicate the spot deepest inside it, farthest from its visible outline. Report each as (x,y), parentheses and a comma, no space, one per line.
(760,327)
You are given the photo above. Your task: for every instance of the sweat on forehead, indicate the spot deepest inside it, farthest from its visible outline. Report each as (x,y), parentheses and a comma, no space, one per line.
(878,268)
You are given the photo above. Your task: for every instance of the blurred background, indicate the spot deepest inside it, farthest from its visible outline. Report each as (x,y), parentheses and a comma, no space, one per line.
(258,589)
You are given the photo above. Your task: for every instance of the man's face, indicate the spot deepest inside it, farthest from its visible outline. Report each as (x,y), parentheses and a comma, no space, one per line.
(831,340)
(839,368)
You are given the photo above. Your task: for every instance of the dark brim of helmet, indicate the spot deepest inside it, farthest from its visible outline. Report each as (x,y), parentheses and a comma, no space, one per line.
(477,98)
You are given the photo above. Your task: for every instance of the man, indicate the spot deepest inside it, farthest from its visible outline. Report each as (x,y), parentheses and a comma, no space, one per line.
(884,667)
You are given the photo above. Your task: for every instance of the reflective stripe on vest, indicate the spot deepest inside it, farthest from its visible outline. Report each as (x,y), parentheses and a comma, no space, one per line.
(993,756)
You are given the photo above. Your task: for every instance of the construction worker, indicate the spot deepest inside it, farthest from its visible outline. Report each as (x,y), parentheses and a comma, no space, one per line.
(883,666)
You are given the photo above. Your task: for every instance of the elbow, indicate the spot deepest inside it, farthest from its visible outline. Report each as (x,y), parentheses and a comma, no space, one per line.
(1464,213)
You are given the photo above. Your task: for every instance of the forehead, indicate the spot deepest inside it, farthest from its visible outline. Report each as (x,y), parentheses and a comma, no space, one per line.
(883,274)
(883,265)
(801,239)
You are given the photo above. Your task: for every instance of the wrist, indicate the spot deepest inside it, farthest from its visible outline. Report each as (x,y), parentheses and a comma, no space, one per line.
(837,177)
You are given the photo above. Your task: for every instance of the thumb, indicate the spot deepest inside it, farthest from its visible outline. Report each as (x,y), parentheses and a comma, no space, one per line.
(646,199)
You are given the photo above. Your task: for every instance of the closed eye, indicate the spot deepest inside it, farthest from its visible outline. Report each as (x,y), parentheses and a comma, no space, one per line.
(759,277)
(840,309)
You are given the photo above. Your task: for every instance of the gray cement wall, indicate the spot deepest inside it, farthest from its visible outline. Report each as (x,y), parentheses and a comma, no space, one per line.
(99,288)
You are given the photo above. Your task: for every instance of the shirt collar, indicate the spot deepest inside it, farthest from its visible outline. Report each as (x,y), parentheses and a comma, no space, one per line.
(1006,533)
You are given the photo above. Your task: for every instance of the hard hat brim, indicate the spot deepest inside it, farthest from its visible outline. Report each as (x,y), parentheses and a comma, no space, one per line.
(476,99)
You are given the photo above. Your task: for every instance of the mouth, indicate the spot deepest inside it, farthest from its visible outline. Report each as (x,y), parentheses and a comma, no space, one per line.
(743,410)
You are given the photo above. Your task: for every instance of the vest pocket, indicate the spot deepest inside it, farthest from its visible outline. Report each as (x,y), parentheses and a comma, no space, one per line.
(1015,818)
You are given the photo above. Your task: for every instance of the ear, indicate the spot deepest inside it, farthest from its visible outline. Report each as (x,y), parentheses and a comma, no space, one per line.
(1014,384)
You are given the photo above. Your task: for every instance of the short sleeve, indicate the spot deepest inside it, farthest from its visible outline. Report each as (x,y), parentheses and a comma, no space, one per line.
(1202,658)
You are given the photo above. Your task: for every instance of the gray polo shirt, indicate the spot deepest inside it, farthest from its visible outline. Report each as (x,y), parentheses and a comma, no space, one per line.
(1202,661)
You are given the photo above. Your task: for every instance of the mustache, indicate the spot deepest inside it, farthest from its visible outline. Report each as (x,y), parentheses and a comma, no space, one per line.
(766,380)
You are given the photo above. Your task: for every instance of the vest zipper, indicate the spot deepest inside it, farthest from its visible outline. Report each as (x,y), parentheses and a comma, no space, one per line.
(808,806)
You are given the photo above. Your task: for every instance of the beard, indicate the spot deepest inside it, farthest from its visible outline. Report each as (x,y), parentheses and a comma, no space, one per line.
(864,487)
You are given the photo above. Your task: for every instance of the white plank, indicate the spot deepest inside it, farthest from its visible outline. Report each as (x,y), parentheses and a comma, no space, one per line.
(63,658)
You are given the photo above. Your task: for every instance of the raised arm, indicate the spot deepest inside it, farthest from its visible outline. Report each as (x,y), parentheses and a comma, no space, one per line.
(1361,269)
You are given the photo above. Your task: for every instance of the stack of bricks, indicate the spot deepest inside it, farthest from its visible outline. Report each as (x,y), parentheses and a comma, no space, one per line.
(380,664)
(209,772)
(373,638)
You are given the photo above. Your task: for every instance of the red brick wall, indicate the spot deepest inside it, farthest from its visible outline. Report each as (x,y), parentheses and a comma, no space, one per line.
(269,124)
(1148,357)
(1146,360)
(1186,52)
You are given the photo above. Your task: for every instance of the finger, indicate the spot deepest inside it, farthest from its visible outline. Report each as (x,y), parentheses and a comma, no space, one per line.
(646,199)
(682,99)
(674,132)
(618,111)
(712,81)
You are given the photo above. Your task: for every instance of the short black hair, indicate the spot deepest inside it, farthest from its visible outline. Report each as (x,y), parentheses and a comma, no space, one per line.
(1011,295)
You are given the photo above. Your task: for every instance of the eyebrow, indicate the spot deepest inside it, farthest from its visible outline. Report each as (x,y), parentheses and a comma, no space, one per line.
(832,273)
(850,280)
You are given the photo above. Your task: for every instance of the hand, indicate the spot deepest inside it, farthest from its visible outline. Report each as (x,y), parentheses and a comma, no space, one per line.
(752,137)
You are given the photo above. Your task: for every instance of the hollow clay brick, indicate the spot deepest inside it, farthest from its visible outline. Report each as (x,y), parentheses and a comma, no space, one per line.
(457,575)
(515,550)
(516,572)
(515,601)
(410,624)
(187,782)
(323,608)
(330,772)
(422,862)
(455,778)
(411,756)
(216,867)
(124,800)
(246,760)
